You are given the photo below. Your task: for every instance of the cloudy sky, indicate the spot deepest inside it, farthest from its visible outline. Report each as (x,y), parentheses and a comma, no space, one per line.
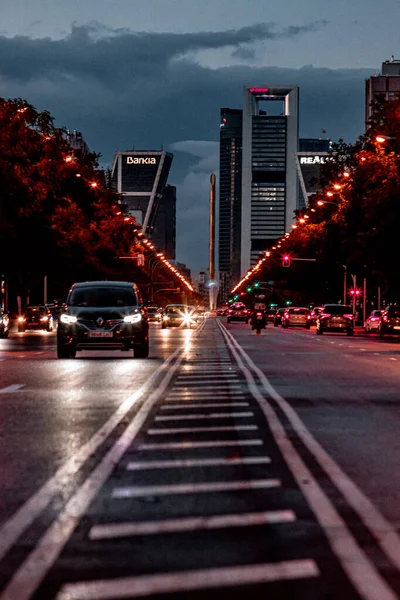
(146,73)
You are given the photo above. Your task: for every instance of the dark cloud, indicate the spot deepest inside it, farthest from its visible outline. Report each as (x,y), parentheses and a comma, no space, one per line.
(143,90)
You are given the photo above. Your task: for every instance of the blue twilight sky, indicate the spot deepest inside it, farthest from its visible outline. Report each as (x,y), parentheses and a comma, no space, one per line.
(146,73)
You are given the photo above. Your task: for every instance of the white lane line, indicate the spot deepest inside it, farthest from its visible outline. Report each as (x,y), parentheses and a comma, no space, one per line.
(200,386)
(204,405)
(186,581)
(179,430)
(117,530)
(359,569)
(391,358)
(207,374)
(197,462)
(31,572)
(194,445)
(377,353)
(16,387)
(200,416)
(198,392)
(193,488)
(362,349)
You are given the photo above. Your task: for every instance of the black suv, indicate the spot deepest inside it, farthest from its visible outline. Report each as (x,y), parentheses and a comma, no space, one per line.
(103,315)
(336,317)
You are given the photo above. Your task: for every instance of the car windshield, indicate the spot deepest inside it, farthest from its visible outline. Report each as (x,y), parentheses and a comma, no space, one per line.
(338,309)
(176,310)
(151,310)
(102,296)
(35,310)
(298,311)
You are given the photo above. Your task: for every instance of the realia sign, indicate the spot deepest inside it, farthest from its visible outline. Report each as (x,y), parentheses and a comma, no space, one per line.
(141,160)
(312,160)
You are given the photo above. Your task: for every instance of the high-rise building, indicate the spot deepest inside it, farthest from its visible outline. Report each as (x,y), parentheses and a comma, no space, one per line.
(230,198)
(269,174)
(164,234)
(311,155)
(76,141)
(140,177)
(386,84)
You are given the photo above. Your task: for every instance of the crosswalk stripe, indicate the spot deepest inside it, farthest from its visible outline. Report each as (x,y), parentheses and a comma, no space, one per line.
(197,462)
(188,405)
(117,530)
(193,488)
(200,416)
(194,445)
(179,430)
(186,581)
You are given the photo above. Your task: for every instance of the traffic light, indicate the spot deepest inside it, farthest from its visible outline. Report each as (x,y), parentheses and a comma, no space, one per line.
(249,289)
(354,292)
(257,284)
(286,260)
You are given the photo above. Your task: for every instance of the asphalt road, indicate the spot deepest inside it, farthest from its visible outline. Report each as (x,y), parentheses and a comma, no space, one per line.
(225,464)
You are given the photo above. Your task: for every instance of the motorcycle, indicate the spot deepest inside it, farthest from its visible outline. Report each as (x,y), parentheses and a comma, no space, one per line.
(258,321)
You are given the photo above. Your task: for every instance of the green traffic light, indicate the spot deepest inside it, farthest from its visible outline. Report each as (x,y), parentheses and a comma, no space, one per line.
(257,284)
(249,289)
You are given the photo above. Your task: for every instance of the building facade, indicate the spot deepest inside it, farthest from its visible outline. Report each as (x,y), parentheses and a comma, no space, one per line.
(312,154)
(230,198)
(385,85)
(269,173)
(164,234)
(141,178)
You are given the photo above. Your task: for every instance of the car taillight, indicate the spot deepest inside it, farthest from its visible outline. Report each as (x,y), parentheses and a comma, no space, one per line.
(259,314)
(326,315)
(308,317)
(348,316)
(230,311)
(385,318)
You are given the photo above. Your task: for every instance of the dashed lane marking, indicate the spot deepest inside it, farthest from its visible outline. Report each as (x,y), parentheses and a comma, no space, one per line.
(207,487)
(16,387)
(216,386)
(197,462)
(391,358)
(194,445)
(179,430)
(204,405)
(198,392)
(117,530)
(200,416)
(186,581)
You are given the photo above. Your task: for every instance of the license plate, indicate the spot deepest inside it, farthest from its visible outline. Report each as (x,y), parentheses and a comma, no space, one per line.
(259,318)
(100,334)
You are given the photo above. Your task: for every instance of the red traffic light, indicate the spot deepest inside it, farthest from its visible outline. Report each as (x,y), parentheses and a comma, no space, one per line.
(286,260)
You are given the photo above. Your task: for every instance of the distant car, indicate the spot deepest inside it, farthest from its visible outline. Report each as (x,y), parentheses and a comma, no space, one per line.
(177,315)
(317,310)
(35,317)
(103,315)
(336,317)
(153,314)
(270,314)
(296,317)
(221,312)
(238,312)
(390,321)
(4,324)
(278,316)
(199,314)
(373,322)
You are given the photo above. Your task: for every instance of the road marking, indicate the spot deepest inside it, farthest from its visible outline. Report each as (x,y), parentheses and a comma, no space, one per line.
(179,430)
(359,569)
(207,375)
(12,529)
(377,353)
(194,445)
(200,416)
(117,530)
(207,487)
(12,388)
(198,462)
(198,385)
(203,405)
(186,581)
(199,393)
(391,358)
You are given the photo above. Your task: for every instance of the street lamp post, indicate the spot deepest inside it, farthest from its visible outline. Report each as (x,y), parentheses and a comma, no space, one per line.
(344,284)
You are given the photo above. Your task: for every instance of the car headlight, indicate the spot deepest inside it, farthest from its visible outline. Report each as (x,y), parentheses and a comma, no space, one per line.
(133,318)
(21,319)
(68,319)
(44,318)
(165,318)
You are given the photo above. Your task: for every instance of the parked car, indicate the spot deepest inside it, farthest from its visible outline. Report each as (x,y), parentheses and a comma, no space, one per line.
(373,322)
(336,317)
(35,317)
(296,316)
(4,324)
(278,316)
(390,321)
(103,315)
(238,312)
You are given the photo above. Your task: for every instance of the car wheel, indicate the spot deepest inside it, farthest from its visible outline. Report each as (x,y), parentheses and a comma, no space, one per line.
(276,324)
(367,329)
(228,320)
(319,331)
(5,334)
(307,327)
(49,327)
(350,331)
(284,326)
(163,326)
(141,350)
(21,329)
(63,351)
(381,331)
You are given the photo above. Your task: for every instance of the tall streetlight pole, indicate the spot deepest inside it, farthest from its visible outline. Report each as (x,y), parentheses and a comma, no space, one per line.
(345,284)
(213,288)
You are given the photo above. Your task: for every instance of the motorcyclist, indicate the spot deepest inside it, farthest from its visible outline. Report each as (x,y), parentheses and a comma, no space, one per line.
(258,319)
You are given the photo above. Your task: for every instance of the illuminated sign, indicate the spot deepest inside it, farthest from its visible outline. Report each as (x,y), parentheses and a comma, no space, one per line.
(140,160)
(259,90)
(312,160)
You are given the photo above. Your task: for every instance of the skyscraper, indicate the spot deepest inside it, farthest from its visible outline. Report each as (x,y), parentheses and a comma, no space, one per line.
(311,155)
(141,176)
(230,194)
(385,85)
(269,175)
(164,234)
